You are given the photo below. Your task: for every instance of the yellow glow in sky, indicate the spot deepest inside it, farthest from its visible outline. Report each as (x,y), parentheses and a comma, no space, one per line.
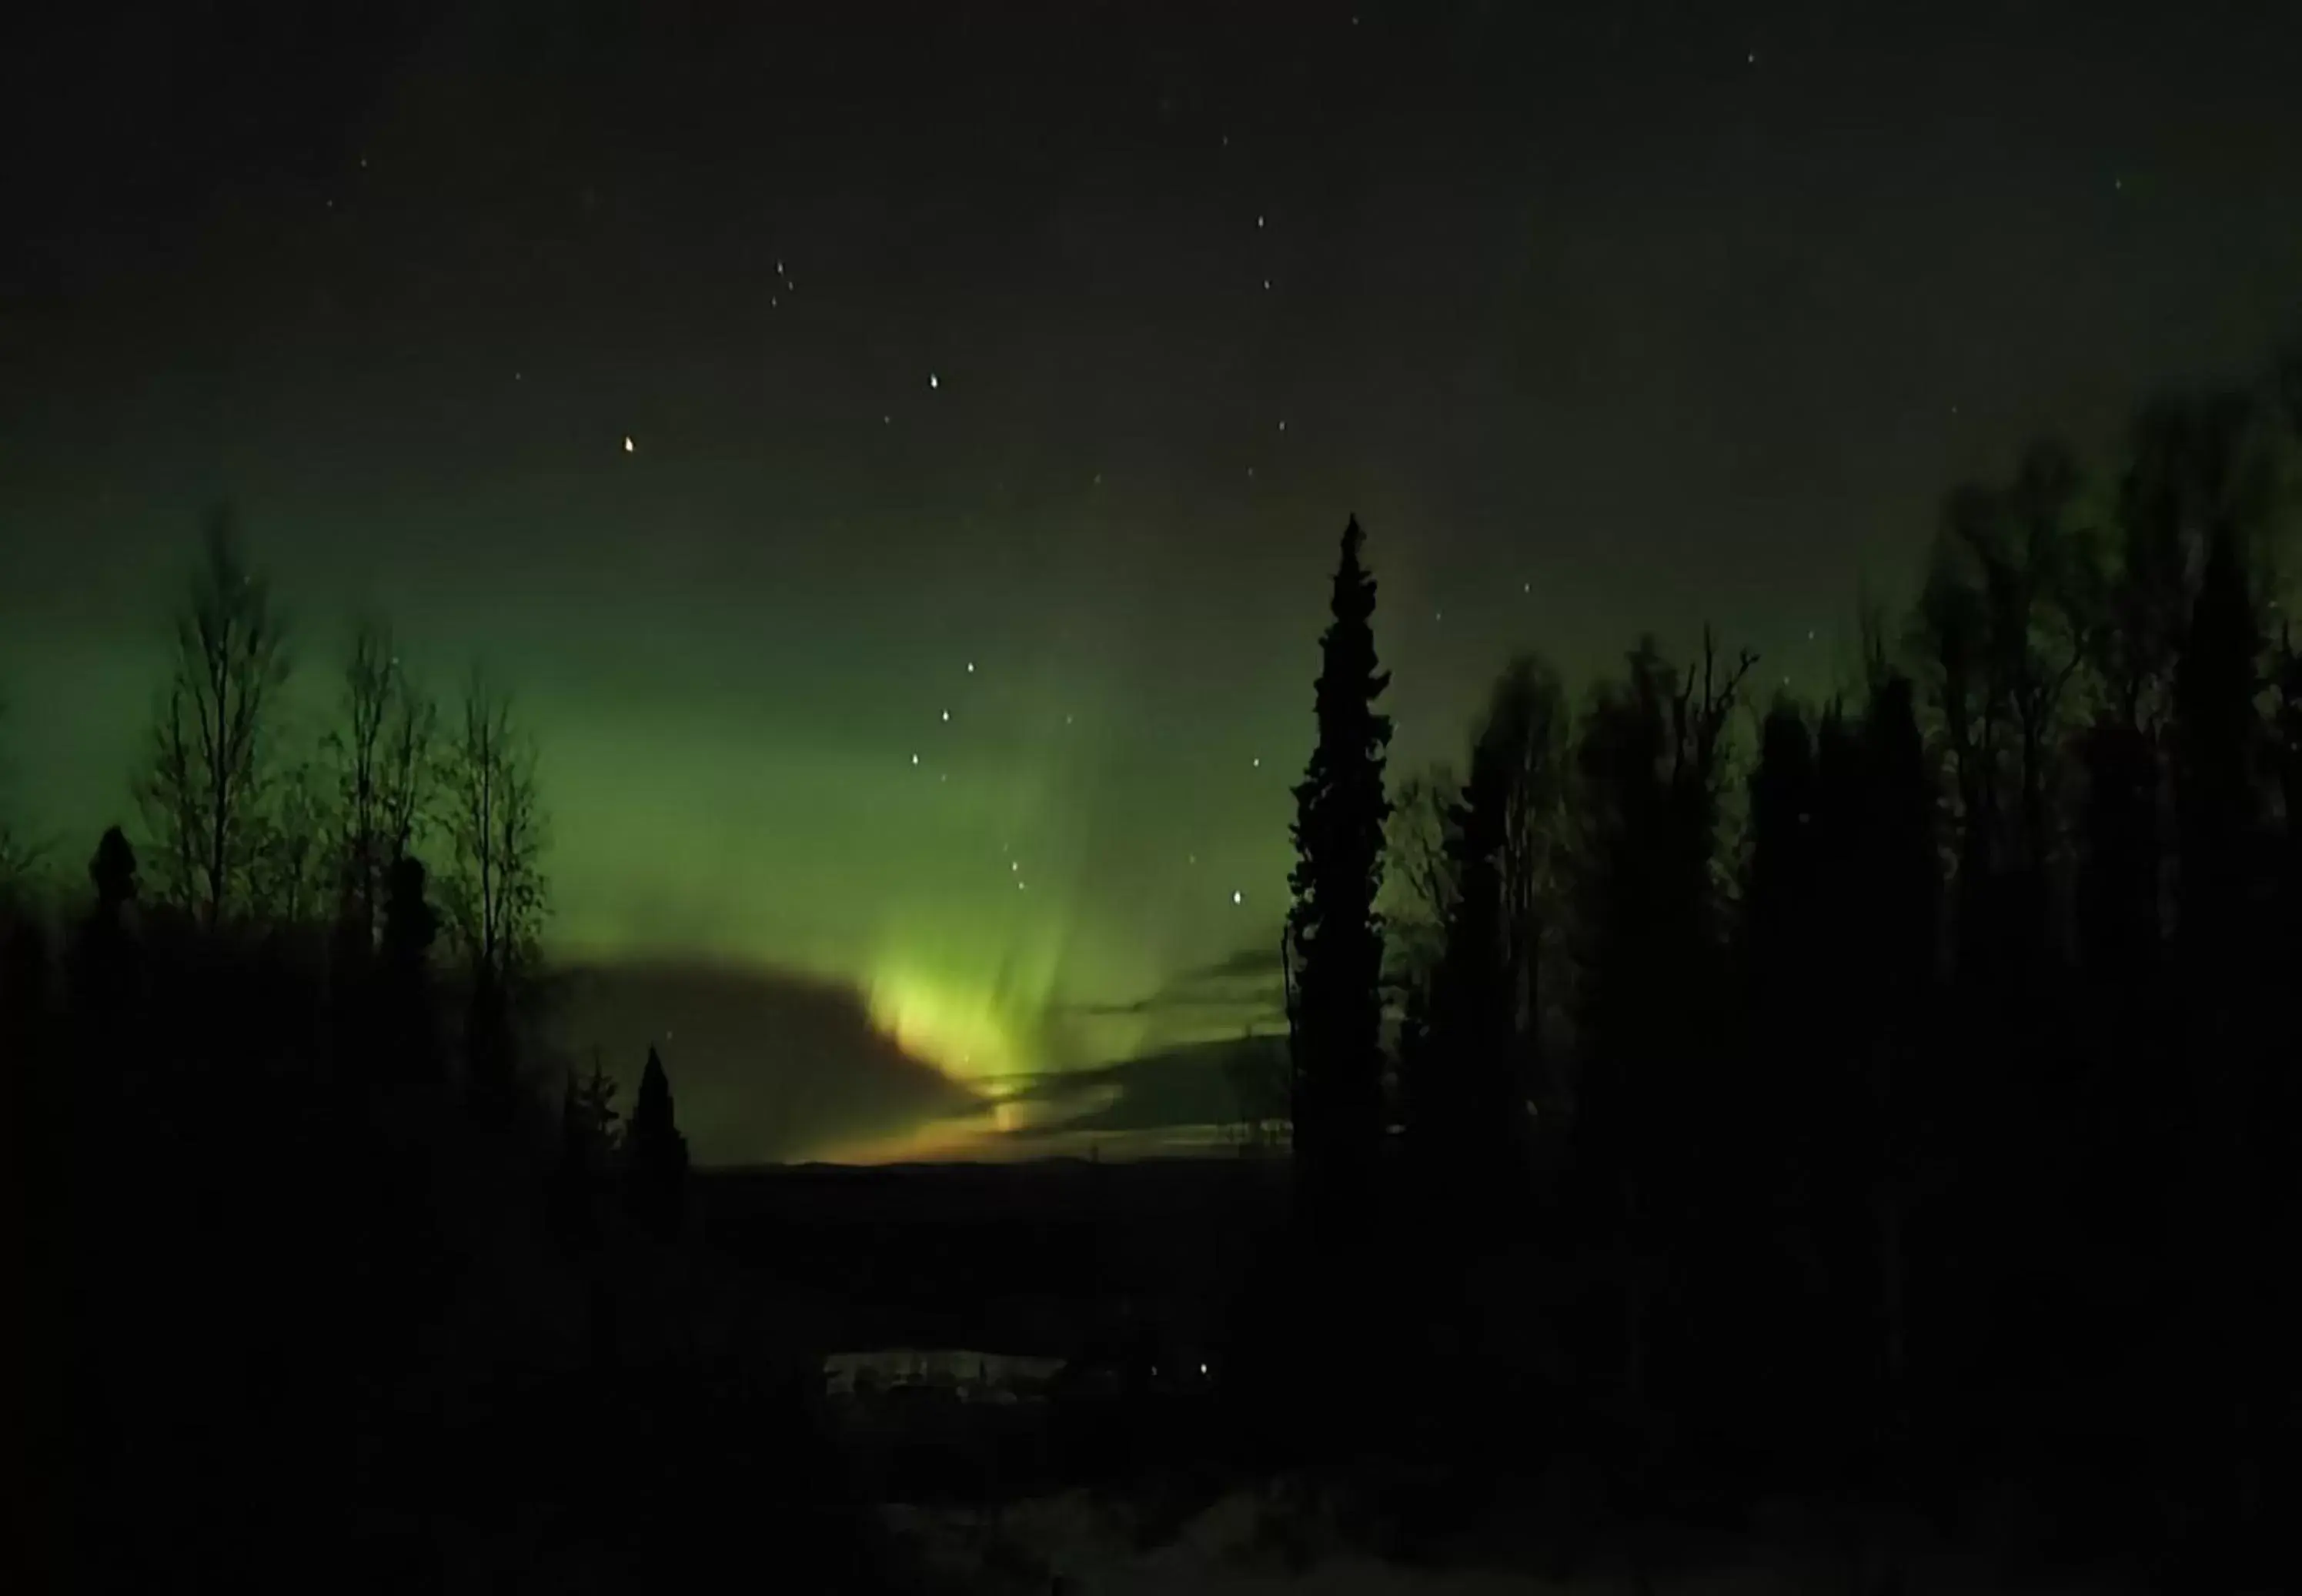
(956,1027)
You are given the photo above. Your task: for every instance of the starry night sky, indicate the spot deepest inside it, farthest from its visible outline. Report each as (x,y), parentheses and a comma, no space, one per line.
(1020,363)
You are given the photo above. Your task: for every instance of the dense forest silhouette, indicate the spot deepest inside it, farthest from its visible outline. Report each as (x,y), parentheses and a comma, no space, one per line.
(280,1104)
(1897,1088)
(1905,1081)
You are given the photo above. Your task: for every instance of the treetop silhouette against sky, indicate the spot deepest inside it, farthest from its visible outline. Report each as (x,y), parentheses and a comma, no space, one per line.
(899,464)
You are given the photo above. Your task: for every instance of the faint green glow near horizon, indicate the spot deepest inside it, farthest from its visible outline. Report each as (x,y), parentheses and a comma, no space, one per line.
(718,792)
(953,908)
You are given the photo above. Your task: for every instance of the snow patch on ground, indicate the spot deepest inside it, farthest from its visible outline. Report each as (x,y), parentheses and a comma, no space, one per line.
(1288,1536)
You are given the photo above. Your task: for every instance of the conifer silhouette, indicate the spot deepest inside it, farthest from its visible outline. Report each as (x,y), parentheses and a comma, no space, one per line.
(1335,937)
(655,1155)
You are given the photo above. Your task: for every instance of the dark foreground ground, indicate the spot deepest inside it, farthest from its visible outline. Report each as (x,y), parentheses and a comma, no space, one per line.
(1138,1474)
(1064,1258)
(322,1392)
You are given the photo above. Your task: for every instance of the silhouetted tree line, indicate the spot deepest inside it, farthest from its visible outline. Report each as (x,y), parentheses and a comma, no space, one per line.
(268,1060)
(270,861)
(1893,1081)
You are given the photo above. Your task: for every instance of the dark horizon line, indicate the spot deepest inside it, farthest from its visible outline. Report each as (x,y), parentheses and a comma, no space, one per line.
(1047,1162)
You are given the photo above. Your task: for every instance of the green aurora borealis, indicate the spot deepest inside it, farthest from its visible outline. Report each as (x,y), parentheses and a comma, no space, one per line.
(724,794)
(1601,320)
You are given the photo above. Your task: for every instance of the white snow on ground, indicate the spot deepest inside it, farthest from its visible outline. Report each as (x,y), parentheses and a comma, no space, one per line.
(1239,1545)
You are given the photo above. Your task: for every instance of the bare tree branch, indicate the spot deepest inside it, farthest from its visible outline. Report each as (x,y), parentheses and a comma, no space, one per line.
(493,887)
(381,753)
(1418,868)
(288,875)
(205,784)
(18,855)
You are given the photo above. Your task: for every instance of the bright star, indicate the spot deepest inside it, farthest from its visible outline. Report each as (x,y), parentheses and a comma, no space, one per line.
(915,758)
(932,383)
(1237,897)
(946,715)
(627,443)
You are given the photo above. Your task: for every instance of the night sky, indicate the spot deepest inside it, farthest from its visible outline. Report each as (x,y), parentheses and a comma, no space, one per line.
(897,452)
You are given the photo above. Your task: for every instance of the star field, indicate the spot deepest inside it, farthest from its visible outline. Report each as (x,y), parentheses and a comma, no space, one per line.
(908,516)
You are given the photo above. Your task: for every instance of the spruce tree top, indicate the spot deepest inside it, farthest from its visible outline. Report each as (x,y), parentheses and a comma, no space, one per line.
(410,924)
(112,869)
(1340,804)
(652,1120)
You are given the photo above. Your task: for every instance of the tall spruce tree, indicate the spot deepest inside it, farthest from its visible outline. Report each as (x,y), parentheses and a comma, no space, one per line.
(1652,757)
(1464,1082)
(1899,884)
(1782,940)
(1467,1089)
(105,938)
(1787,1113)
(572,1218)
(1334,936)
(2228,1040)
(655,1155)
(2217,735)
(587,1147)
(404,1027)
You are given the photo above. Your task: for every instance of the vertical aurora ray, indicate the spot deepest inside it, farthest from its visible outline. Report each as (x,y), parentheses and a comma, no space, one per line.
(955,896)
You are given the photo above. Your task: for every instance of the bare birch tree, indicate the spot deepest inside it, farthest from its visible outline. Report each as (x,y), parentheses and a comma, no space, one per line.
(1525,739)
(18,854)
(1419,875)
(493,891)
(382,758)
(493,887)
(287,868)
(204,788)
